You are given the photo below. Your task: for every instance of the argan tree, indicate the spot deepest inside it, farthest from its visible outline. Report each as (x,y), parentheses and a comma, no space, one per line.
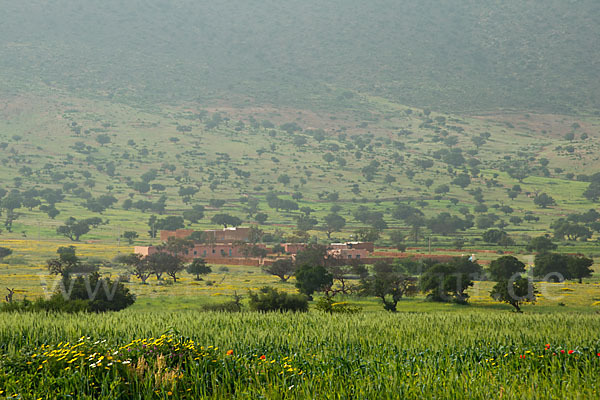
(283,269)
(390,283)
(198,267)
(514,292)
(310,279)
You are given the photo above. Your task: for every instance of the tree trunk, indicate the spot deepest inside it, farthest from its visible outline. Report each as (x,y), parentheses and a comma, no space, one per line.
(516,306)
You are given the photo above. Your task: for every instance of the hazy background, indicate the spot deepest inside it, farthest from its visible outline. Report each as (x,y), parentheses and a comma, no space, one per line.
(448,55)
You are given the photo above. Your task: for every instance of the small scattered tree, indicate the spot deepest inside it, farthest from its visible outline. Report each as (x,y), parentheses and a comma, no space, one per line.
(69,263)
(283,269)
(305,222)
(397,239)
(592,193)
(343,275)
(198,267)
(73,229)
(514,292)
(172,266)
(314,254)
(284,179)
(541,244)
(138,265)
(551,266)
(194,215)
(445,224)
(390,283)
(543,200)
(328,158)
(579,267)
(493,235)
(498,237)
(177,246)
(333,223)
(103,139)
(404,212)
(505,268)
(152,225)
(161,263)
(130,236)
(310,279)
(367,234)
(570,230)
(261,217)
(5,252)
(449,281)
(554,266)
(169,223)
(462,180)
(225,220)
(141,187)
(255,234)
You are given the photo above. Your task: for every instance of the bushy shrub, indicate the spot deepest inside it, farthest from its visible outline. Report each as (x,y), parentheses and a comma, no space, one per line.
(105,295)
(89,293)
(54,304)
(328,304)
(270,299)
(234,305)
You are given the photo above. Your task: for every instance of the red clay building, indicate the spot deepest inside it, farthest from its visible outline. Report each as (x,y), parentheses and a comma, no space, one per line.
(217,250)
(351,250)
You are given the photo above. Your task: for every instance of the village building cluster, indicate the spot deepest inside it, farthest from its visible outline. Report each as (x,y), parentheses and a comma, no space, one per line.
(230,243)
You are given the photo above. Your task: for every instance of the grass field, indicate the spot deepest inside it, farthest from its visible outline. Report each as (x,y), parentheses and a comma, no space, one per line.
(27,272)
(466,354)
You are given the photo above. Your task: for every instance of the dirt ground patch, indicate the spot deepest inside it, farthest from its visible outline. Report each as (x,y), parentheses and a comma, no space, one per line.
(555,126)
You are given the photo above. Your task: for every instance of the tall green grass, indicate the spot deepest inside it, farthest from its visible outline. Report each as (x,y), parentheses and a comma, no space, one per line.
(375,355)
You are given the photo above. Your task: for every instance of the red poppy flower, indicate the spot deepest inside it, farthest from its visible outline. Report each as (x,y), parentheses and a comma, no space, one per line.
(571,351)
(598,354)
(562,351)
(230,352)
(263,357)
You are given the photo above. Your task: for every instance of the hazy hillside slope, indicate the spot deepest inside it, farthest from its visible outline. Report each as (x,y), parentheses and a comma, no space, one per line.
(447,55)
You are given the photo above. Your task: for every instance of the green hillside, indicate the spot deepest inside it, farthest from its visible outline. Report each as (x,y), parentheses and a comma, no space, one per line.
(313,122)
(449,56)
(97,159)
